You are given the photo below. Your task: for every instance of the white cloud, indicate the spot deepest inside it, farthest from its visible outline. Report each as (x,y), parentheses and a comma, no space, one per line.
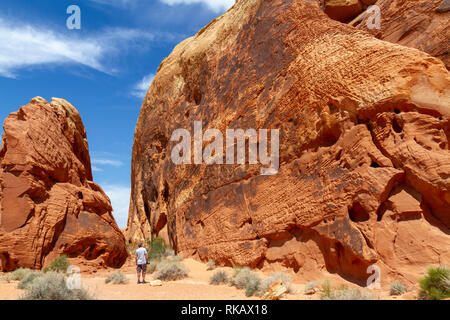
(115,2)
(140,88)
(96,169)
(120,200)
(23,46)
(107,162)
(215,5)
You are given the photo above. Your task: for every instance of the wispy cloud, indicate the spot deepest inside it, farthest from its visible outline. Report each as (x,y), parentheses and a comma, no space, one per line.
(96,169)
(107,162)
(215,5)
(120,200)
(140,88)
(115,2)
(24,46)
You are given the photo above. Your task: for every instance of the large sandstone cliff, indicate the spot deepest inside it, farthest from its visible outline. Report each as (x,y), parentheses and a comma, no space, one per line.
(364,151)
(48,202)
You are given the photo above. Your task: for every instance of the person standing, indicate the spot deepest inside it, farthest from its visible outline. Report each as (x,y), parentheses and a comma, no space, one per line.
(141,262)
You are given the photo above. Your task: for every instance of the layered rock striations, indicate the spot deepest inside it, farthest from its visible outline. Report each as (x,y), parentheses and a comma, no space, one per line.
(420,24)
(48,202)
(364,152)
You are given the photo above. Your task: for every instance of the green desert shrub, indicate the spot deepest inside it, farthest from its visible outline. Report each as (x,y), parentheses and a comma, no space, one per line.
(60,264)
(274,277)
(116,278)
(344,293)
(220,277)
(157,249)
(52,286)
(326,288)
(210,265)
(435,285)
(17,275)
(170,270)
(397,288)
(28,280)
(245,278)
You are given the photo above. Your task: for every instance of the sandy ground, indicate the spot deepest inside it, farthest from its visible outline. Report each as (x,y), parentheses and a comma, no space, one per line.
(195,287)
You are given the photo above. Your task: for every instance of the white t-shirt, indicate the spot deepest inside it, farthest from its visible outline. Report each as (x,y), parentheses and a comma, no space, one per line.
(141,252)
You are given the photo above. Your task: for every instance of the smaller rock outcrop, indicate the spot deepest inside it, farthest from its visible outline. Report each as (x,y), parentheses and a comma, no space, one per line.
(48,202)
(420,24)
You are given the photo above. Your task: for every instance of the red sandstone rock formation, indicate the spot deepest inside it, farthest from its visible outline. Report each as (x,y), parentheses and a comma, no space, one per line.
(421,24)
(48,202)
(364,153)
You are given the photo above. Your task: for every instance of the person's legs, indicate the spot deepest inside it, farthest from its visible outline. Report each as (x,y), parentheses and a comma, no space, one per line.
(139,273)
(144,271)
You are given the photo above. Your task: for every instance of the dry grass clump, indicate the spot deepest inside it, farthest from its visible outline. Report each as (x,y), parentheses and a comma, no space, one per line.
(17,275)
(52,286)
(245,278)
(397,288)
(285,278)
(117,278)
(168,270)
(344,293)
(28,280)
(220,277)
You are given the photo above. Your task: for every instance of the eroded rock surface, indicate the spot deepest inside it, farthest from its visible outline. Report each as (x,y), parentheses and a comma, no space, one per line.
(49,204)
(421,24)
(364,159)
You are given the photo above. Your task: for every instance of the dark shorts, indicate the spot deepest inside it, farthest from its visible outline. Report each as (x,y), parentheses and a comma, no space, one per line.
(141,268)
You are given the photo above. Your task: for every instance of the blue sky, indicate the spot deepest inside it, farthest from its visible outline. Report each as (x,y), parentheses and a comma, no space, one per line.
(103,69)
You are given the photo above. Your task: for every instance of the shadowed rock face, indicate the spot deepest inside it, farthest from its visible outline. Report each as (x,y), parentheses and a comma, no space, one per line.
(364,159)
(421,24)
(48,202)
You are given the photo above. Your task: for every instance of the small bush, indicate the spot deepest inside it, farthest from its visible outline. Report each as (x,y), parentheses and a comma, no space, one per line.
(220,277)
(344,293)
(435,285)
(52,286)
(60,264)
(156,249)
(276,276)
(241,276)
(151,267)
(28,280)
(170,271)
(17,275)
(211,265)
(397,288)
(116,278)
(310,287)
(253,287)
(326,288)
(246,278)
